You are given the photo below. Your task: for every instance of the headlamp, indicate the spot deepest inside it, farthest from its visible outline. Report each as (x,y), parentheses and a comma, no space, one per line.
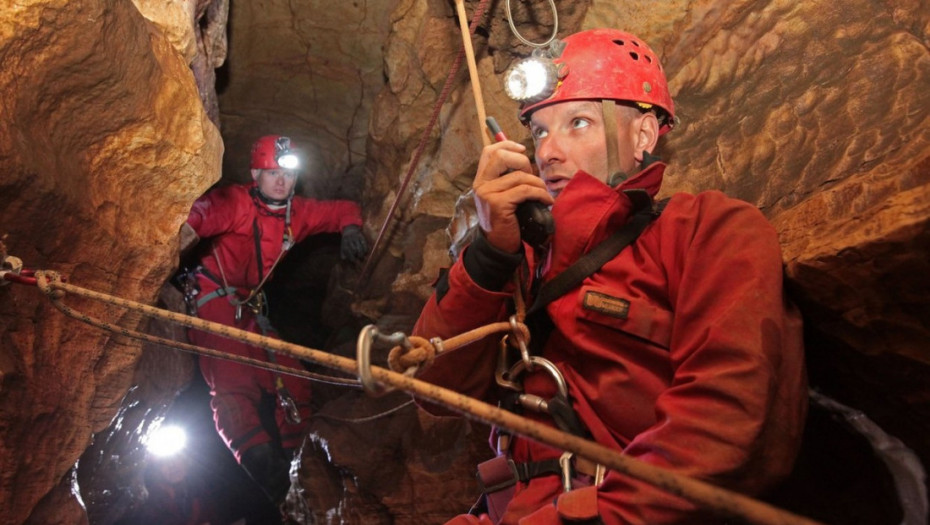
(530,80)
(284,155)
(535,78)
(166,441)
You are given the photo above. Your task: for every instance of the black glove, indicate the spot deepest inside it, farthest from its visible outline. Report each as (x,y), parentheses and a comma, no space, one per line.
(354,247)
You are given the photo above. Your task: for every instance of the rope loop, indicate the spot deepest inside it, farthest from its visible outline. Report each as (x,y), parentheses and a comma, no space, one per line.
(421,352)
(521,338)
(45,279)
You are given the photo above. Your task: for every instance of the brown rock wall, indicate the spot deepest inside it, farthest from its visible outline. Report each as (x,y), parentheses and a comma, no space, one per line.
(309,70)
(101,130)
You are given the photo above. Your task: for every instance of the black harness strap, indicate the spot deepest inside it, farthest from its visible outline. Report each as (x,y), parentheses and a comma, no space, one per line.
(497,475)
(257,234)
(603,252)
(241,440)
(538,320)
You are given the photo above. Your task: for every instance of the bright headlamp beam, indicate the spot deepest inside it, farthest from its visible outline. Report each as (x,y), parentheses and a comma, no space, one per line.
(166,441)
(530,80)
(288,161)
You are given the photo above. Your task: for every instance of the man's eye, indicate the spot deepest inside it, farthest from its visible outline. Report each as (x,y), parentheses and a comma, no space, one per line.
(539,133)
(580,123)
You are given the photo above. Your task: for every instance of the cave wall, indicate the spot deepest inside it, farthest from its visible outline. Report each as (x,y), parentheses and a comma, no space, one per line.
(309,70)
(816,112)
(104,144)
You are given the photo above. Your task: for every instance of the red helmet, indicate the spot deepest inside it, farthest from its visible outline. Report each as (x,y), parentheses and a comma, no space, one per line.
(269,151)
(609,64)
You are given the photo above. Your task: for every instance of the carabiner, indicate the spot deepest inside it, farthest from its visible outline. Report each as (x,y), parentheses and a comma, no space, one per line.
(363,357)
(291,414)
(502,373)
(548,365)
(11,266)
(565,462)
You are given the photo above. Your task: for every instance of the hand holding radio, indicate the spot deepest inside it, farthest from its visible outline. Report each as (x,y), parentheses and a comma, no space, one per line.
(512,201)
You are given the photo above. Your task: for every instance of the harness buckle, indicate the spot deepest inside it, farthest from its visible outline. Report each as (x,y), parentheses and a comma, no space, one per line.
(257,303)
(187,279)
(503,372)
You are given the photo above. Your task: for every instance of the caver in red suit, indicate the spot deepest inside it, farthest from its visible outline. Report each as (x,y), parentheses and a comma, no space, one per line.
(247,231)
(703,374)
(681,351)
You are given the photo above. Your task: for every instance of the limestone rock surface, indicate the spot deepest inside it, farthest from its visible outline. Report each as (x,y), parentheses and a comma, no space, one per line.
(104,144)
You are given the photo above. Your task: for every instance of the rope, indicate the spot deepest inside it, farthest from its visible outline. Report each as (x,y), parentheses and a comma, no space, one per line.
(50,284)
(423,351)
(421,146)
(720,500)
(363,419)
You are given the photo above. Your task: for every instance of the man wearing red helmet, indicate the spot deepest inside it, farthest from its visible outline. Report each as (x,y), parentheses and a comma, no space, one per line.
(678,349)
(250,228)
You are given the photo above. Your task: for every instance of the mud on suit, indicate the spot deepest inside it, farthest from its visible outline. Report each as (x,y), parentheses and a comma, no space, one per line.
(246,236)
(682,351)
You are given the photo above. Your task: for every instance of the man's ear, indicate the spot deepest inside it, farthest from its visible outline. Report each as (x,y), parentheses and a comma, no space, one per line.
(646,133)
(255,174)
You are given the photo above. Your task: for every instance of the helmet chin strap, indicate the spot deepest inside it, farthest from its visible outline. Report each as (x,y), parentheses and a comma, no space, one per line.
(288,241)
(269,201)
(609,112)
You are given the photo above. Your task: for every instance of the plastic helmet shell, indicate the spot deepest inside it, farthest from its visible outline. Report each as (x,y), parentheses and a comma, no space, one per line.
(264,152)
(600,64)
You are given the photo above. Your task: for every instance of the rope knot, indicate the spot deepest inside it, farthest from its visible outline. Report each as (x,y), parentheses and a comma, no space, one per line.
(421,352)
(45,279)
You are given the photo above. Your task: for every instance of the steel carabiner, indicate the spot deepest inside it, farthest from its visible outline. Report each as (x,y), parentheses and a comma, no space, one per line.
(363,357)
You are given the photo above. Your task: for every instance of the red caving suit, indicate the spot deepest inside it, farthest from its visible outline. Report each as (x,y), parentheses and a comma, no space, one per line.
(230,218)
(701,373)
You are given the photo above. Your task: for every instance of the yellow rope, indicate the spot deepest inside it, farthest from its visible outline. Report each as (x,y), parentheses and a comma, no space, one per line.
(49,283)
(714,498)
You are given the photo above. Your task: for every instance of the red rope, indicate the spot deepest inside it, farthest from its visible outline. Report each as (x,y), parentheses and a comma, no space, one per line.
(446,89)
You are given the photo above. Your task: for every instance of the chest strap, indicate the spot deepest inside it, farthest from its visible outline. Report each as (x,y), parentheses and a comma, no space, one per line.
(502,472)
(219,292)
(643,214)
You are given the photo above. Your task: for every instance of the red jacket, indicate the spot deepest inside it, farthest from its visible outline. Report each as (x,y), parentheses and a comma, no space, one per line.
(703,373)
(229,218)
(232,216)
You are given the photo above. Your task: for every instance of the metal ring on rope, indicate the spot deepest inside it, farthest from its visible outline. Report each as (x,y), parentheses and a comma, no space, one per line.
(363,357)
(555,26)
(548,365)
